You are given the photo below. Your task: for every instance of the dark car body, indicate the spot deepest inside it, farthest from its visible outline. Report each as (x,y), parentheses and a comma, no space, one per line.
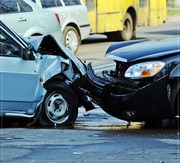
(145,83)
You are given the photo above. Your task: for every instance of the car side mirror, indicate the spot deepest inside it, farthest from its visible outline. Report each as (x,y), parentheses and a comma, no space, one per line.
(27,55)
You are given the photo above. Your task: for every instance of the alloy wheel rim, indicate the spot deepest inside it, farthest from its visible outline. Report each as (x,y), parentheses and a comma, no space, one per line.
(71,40)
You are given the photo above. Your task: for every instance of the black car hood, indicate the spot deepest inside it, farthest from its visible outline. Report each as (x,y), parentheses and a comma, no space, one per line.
(134,50)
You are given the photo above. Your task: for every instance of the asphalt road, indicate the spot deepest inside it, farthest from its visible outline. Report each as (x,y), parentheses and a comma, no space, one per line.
(96,136)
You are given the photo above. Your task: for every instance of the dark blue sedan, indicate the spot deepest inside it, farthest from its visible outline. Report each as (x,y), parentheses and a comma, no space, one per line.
(145,84)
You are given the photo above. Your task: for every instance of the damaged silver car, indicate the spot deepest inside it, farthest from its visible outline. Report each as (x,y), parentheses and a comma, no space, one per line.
(145,84)
(37,78)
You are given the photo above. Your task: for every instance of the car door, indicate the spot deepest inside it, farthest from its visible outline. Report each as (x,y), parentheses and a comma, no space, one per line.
(15,14)
(18,78)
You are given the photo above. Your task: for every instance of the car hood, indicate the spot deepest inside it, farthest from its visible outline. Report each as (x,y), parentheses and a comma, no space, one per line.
(37,41)
(131,51)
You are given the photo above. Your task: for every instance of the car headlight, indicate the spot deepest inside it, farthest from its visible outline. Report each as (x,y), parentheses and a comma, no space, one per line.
(145,69)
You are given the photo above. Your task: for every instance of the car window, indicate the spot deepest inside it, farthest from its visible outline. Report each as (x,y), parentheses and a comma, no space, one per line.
(72,2)
(7,6)
(23,6)
(7,47)
(12,6)
(50,3)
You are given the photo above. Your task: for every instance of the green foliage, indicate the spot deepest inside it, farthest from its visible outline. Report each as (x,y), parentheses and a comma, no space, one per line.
(173,12)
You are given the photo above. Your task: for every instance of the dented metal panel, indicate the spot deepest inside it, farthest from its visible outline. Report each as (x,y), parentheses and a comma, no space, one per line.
(25,68)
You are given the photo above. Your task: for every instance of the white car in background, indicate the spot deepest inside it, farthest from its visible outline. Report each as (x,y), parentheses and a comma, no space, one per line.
(73,17)
(28,19)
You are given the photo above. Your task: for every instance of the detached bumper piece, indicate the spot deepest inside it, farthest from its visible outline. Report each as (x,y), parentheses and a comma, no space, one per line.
(127,101)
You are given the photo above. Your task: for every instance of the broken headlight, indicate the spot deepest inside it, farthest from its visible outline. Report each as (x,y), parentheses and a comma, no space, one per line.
(145,69)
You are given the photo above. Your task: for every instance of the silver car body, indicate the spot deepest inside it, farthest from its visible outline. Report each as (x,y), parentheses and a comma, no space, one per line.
(71,14)
(30,21)
(22,80)
(73,19)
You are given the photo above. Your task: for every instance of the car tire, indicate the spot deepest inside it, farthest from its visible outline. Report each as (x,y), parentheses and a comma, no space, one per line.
(60,106)
(127,32)
(72,38)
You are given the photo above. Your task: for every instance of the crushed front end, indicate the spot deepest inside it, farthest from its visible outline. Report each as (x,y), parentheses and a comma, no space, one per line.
(144,83)
(129,99)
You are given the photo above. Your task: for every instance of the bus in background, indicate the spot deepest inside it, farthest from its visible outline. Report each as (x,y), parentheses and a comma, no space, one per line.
(118,19)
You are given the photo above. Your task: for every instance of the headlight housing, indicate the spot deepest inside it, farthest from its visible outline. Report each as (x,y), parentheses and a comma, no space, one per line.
(145,69)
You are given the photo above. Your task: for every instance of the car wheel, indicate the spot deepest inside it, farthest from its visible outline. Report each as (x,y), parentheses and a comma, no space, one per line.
(59,106)
(72,38)
(127,32)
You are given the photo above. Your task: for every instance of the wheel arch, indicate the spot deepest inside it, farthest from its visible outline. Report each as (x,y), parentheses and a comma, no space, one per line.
(37,34)
(75,26)
(57,79)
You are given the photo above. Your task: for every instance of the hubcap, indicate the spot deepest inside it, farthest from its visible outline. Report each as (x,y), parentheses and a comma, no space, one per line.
(72,40)
(56,108)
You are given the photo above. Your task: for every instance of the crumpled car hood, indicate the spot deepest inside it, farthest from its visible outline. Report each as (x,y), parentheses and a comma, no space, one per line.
(36,41)
(134,50)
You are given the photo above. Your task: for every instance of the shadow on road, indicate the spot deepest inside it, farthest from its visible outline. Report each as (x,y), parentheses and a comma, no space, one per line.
(95,39)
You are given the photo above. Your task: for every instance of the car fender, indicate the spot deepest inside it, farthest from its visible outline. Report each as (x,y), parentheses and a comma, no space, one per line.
(51,66)
(70,22)
(47,67)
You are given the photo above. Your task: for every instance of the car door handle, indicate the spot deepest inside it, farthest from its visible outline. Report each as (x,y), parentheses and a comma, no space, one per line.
(22,20)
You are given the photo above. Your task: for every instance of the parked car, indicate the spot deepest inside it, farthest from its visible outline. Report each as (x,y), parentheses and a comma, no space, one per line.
(38,79)
(27,19)
(145,84)
(73,17)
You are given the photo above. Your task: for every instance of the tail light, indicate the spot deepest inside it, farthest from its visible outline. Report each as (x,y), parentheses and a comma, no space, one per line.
(57,17)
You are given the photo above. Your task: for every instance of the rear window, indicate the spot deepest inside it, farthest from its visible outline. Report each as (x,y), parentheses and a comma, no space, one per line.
(13,6)
(50,3)
(72,2)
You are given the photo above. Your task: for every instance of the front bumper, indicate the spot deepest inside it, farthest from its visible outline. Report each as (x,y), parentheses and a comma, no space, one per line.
(127,101)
